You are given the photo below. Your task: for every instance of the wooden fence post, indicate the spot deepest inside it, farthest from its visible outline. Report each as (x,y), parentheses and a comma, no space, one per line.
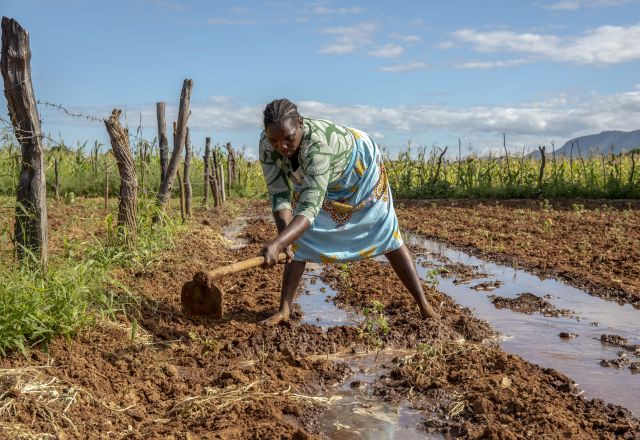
(224,195)
(56,171)
(231,166)
(163,142)
(106,183)
(181,190)
(181,131)
(543,159)
(188,192)
(207,154)
(128,205)
(31,194)
(215,183)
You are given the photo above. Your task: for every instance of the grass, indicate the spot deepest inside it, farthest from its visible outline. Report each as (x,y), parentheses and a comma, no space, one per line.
(77,288)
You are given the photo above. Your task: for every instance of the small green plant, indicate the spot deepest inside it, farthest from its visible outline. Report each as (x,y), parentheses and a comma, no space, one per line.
(431,277)
(429,350)
(69,198)
(209,344)
(134,330)
(375,324)
(547,225)
(545,205)
(344,272)
(577,207)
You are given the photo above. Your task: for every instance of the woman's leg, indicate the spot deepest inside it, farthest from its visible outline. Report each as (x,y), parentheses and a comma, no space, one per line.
(290,280)
(402,263)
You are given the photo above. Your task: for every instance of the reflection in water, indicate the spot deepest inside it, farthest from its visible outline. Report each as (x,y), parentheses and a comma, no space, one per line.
(316,302)
(354,413)
(536,337)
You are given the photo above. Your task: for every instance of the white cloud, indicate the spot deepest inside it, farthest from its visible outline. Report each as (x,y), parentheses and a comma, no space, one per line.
(491,64)
(348,38)
(325,10)
(445,45)
(230,21)
(603,45)
(529,122)
(572,5)
(387,51)
(405,67)
(406,38)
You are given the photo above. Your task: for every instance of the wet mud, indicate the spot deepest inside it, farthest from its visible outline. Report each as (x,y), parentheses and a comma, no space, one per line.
(592,244)
(169,375)
(529,303)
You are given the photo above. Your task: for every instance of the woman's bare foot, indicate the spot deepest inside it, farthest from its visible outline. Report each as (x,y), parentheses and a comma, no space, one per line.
(428,312)
(276,318)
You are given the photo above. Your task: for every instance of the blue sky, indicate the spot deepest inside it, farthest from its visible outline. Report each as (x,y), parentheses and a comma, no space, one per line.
(429,72)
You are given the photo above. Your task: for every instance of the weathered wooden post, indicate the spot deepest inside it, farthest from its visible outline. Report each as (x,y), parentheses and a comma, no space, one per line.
(181,190)
(543,161)
(188,191)
(94,157)
(215,184)
(231,166)
(207,154)
(224,196)
(163,142)
(31,194)
(56,172)
(106,183)
(179,138)
(128,205)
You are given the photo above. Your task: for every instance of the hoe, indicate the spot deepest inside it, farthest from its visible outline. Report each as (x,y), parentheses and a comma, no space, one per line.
(202,297)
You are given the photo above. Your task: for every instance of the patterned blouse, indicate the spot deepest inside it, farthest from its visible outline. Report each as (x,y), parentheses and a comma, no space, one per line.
(325,152)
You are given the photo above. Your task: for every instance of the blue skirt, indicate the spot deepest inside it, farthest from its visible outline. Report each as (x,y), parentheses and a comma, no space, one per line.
(357,219)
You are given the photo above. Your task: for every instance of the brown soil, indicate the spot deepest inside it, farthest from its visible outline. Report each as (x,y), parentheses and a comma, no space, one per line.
(529,303)
(174,376)
(594,245)
(467,389)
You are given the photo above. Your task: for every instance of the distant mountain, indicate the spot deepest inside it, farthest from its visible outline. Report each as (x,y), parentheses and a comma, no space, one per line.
(605,142)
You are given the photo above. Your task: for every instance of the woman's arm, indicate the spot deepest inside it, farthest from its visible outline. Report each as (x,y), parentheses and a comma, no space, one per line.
(292,230)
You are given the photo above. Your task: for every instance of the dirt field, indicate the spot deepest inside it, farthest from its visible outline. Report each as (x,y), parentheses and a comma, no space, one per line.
(177,377)
(594,245)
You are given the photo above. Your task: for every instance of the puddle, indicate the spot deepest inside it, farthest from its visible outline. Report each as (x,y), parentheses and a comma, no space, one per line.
(233,233)
(354,413)
(536,337)
(316,302)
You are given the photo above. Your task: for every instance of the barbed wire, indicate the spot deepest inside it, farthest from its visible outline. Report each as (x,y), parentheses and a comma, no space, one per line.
(69,113)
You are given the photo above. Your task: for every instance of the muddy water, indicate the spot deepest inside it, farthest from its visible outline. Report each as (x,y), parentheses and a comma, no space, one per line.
(354,413)
(234,233)
(316,302)
(535,337)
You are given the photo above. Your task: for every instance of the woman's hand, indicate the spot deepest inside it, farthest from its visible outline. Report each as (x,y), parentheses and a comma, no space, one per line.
(271,253)
(287,234)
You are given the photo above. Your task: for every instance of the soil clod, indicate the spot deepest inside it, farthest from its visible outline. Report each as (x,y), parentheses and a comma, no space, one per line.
(616,340)
(487,286)
(529,303)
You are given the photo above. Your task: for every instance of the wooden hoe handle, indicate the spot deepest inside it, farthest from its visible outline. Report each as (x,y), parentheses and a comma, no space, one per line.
(241,265)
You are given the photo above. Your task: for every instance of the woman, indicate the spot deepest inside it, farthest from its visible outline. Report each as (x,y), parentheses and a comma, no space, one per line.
(341,200)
